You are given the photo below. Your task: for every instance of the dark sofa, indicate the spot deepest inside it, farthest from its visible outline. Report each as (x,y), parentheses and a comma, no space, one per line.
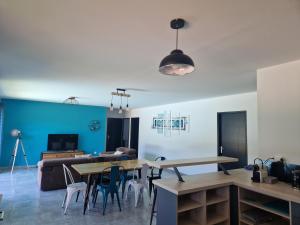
(51,175)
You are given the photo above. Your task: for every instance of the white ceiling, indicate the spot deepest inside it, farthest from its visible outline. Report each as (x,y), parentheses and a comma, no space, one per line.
(53,49)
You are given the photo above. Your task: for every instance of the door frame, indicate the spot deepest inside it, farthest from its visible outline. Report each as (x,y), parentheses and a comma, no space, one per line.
(219,130)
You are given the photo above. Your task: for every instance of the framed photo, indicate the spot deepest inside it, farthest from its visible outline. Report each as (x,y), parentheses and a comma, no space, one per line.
(179,123)
(165,123)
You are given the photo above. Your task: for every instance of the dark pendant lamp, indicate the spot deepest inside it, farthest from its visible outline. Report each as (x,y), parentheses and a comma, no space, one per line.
(177,63)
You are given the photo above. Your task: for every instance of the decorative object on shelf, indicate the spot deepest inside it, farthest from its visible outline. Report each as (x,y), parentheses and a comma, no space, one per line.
(122,94)
(177,63)
(18,135)
(166,122)
(72,100)
(94,125)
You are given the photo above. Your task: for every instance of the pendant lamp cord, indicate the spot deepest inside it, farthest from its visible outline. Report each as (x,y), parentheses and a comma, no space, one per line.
(176,39)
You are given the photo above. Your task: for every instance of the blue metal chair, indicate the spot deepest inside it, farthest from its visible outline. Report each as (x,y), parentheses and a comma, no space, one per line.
(109,186)
(124,157)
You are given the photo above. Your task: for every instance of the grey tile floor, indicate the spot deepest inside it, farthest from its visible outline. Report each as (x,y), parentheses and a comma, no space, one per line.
(25,204)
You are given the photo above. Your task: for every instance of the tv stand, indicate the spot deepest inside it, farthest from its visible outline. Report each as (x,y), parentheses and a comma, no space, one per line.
(60,154)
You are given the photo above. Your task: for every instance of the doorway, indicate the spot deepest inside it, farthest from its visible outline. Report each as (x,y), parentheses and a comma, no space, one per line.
(114,135)
(134,134)
(232,138)
(122,132)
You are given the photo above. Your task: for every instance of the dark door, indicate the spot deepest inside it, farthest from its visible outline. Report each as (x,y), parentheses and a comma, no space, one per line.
(114,134)
(125,135)
(232,138)
(134,137)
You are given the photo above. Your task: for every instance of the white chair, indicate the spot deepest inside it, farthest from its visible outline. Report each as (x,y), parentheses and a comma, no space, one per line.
(72,188)
(138,184)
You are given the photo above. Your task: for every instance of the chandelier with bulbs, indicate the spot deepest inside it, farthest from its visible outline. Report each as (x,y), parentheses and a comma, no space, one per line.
(121,93)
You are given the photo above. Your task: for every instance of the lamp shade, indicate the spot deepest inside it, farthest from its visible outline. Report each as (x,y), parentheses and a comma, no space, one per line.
(176,64)
(15,133)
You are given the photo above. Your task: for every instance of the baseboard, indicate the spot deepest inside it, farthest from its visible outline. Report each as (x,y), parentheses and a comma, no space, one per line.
(17,167)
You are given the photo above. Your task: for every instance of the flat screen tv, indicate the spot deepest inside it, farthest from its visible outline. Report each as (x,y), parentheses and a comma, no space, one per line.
(62,142)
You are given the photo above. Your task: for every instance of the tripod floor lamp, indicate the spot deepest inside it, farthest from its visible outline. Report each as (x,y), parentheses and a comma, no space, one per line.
(18,135)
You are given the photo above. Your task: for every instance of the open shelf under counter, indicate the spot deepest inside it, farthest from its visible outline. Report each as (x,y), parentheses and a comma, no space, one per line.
(256,206)
(217,195)
(214,219)
(191,201)
(215,199)
(188,204)
(217,213)
(223,223)
(192,217)
(183,221)
(262,206)
(277,222)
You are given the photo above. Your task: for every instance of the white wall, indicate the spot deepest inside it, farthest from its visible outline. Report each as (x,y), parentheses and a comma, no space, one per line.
(278,90)
(201,141)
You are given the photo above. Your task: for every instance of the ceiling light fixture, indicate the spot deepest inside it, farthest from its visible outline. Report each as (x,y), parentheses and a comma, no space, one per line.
(177,63)
(111,108)
(127,106)
(120,109)
(71,100)
(120,93)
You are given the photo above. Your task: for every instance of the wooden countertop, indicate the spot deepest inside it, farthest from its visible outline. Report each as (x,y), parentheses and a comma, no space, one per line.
(190,162)
(239,177)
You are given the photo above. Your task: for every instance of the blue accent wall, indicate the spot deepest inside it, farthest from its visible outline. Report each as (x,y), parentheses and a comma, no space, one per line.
(38,119)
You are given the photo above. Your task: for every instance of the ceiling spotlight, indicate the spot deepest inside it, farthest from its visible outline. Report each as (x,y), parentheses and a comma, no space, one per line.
(71,100)
(176,63)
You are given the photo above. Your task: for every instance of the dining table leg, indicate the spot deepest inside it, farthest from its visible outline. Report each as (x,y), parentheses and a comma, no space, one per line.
(87,193)
(153,205)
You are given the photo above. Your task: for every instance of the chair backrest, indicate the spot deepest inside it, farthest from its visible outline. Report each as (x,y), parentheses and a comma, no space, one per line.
(160,158)
(124,157)
(114,175)
(127,151)
(68,174)
(144,173)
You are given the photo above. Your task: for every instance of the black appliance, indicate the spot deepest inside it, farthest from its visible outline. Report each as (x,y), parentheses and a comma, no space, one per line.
(278,170)
(62,142)
(256,175)
(296,179)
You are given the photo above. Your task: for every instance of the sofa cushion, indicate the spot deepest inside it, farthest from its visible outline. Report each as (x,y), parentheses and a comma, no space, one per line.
(128,151)
(50,171)
(83,156)
(69,161)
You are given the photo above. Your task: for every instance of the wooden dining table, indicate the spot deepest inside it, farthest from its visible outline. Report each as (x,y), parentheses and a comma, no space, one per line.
(92,170)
